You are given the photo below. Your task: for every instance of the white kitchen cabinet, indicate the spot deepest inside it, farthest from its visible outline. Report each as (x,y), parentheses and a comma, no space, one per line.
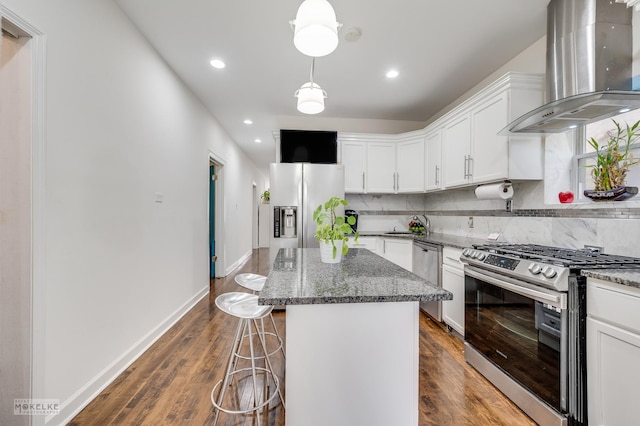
(371,243)
(474,153)
(354,159)
(399,251)
(456,141)
(433,160)
(613,353)
(410,165)
(453,281)
(381,167)
(489,152)
(383,164)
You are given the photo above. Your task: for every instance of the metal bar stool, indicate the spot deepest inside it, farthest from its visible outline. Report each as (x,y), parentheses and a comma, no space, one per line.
(245,307)
(255,283)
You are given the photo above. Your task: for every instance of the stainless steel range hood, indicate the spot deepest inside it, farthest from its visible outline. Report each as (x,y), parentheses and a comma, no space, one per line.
(589,67)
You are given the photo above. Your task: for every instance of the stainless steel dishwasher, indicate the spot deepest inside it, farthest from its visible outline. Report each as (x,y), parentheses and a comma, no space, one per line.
(427,264)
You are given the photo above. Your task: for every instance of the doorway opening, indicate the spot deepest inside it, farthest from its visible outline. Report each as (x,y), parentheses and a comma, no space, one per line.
(216,217)
(21,63)
(212,219)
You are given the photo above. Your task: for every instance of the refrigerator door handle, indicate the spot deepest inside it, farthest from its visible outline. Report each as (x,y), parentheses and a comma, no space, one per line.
(302,241)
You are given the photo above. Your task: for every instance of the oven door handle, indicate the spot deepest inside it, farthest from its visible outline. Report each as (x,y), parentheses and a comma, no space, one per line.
(553,298)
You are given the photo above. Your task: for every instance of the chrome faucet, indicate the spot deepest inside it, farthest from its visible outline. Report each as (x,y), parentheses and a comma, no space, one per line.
(427,224)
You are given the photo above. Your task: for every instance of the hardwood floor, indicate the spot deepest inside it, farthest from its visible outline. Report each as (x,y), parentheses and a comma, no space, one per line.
(172,381)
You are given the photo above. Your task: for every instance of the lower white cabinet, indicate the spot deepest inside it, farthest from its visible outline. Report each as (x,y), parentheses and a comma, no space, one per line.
(613,353)
(398,251)
(371,243)
(453,281)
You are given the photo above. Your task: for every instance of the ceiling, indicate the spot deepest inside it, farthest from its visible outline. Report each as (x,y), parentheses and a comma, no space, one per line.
(440,48)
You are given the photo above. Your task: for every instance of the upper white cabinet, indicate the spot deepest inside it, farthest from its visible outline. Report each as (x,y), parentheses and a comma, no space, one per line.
(473,152)
(460,148)
(456,141)
(433,160)
(383,164)
(354,157)
(490,152)
(381,167)
(410,165)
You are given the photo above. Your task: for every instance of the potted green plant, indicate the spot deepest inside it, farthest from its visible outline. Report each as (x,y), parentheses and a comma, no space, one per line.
(265,197)
(613,160)
(332,230)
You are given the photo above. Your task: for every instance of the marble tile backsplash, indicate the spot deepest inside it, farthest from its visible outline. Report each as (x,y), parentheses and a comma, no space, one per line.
(449,212)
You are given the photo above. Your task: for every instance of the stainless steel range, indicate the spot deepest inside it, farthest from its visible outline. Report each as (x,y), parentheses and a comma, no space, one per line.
(525,324)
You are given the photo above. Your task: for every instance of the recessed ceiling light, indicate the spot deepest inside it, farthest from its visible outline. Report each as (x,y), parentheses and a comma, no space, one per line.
(623,110)
(217,63)
(392,74)
(258,141)
(247,121)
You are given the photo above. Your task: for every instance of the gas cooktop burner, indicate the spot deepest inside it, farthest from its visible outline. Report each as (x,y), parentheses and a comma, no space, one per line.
(569,258)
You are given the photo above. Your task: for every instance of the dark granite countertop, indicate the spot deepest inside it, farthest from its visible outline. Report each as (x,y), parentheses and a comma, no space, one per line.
(434,238)
(299,277)
(628,277)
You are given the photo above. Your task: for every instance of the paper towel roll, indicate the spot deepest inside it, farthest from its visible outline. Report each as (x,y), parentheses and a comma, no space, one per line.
(496,191)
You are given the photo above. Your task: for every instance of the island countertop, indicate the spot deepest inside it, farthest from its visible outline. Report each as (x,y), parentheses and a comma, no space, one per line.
(299,277)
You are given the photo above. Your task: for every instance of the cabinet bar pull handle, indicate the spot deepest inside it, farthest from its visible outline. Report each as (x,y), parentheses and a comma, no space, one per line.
(397,182)
(437,183)
(362,181)
(470,166)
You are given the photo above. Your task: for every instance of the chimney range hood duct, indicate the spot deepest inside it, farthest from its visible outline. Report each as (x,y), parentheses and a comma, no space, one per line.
(589,72)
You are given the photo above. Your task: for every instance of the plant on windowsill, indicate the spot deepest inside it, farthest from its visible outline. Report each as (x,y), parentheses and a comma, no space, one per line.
(332,230)
(613,161)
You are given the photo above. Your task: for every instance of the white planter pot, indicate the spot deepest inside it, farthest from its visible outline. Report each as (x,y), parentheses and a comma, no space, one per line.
(326,252)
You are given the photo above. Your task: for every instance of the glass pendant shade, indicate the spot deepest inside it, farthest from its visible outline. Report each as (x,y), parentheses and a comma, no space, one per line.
(316,28)
(310,98)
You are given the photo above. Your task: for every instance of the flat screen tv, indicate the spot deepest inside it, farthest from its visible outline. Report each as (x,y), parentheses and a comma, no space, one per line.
(308,146)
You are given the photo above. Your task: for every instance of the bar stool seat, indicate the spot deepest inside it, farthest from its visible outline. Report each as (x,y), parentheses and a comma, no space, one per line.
(255,283)
(244,306)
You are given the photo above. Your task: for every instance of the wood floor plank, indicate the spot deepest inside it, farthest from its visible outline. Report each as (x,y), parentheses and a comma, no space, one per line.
(170,384)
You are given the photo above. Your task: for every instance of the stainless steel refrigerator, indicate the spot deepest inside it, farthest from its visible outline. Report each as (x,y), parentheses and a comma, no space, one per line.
(296,190)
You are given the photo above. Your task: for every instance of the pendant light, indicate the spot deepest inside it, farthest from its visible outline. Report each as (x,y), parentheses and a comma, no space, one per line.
(315,28)
(310,95)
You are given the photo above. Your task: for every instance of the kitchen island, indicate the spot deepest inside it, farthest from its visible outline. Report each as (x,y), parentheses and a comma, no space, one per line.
(351,337)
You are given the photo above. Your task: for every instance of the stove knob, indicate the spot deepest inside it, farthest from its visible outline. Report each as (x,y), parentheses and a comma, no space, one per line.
(466,252)
(549,272)
(535,269)
(481,256)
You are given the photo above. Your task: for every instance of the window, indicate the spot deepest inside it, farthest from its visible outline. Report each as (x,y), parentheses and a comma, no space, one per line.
(586,156)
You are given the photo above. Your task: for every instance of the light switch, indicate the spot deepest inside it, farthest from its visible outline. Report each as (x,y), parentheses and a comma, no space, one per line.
(159,197)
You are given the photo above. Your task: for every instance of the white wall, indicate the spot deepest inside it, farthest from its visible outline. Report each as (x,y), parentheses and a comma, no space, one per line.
(121,127)
(530,60)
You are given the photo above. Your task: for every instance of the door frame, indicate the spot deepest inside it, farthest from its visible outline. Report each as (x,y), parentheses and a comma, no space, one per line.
(37,46)
(219,219)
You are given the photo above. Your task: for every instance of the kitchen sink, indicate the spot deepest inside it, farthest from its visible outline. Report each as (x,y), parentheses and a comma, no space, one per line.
(400,233)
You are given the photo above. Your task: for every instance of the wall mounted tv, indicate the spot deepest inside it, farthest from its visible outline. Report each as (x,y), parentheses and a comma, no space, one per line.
(308,146)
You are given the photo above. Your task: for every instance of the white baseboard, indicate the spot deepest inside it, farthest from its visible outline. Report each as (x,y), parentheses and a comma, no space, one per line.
(81,398)
(238,263)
